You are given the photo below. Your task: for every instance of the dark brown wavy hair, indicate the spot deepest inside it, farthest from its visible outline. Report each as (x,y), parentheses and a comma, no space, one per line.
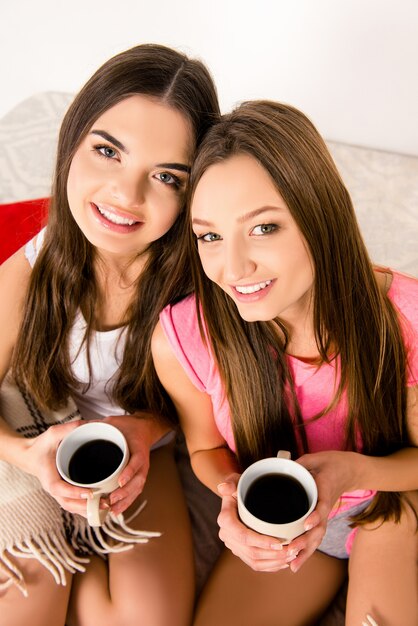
(352,317)
(63,280)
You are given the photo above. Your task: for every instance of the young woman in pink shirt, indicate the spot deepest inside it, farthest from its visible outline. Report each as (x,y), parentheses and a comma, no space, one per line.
(295,341)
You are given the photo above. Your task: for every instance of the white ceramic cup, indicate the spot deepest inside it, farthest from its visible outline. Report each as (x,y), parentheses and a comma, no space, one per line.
(71,443)
(282,464)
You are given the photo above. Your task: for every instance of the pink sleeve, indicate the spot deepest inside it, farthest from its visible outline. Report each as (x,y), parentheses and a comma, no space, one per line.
(404,295)
(181,328)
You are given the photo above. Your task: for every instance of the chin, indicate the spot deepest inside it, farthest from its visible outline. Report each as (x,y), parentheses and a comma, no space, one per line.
(254,316)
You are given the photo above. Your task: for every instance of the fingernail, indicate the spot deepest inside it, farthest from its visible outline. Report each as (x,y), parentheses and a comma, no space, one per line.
(221,485)
(85,496)
(122,481)
(276,546)
(308,526)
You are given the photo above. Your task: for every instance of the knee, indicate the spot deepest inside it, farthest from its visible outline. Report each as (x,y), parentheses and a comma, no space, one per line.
(405,529)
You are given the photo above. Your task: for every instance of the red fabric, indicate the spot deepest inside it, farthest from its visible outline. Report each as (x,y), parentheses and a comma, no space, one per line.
(19,222)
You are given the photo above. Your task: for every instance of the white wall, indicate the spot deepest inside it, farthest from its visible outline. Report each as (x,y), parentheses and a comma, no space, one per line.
(351,65)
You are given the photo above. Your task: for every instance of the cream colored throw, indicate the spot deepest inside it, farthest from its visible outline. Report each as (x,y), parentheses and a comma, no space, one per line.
(32,524)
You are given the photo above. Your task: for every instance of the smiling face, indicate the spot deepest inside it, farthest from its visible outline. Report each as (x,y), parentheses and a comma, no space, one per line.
(127,179)
(249,243)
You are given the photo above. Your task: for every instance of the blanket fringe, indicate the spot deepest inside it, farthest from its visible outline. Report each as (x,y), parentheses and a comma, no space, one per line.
(13,575)
(59,556)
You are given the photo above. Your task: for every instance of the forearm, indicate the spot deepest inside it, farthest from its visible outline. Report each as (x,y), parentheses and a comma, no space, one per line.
(213,466)
(151,427)
(12,445)
(395,472)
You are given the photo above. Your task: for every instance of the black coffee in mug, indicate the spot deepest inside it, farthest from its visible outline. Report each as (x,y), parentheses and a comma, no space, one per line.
(94,461)
(277,499)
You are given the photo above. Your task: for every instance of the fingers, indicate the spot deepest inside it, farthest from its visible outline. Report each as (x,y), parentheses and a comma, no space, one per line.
(238,534)
(69,497)
(59,431)
(229,486)
(369,621)
(138,466)
(305,545)
(122,498)
(260,552)
(131,481)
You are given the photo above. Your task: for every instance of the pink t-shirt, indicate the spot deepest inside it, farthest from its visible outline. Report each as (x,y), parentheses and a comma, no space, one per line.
(315,387)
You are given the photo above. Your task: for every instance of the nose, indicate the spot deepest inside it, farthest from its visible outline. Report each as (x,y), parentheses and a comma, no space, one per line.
(238,264)
(128,188)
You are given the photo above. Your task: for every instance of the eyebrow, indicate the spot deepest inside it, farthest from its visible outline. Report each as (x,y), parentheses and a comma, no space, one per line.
(181,167)
(242,218)
(111,139)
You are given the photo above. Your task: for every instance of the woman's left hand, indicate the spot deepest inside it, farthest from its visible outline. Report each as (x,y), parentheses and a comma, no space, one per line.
(334,473)
(138,431)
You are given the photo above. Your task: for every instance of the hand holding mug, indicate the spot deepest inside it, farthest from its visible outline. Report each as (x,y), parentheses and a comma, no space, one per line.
(275,497)
(260,552)
(138,430)
(93,456)
(39,459)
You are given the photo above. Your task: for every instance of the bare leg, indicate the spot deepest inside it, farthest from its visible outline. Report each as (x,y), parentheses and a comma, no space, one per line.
(235,595)
(152,584)
(46,604)
(383,574)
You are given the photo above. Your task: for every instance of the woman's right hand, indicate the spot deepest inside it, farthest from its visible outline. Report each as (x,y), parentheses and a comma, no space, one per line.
(261,552)
(38,459)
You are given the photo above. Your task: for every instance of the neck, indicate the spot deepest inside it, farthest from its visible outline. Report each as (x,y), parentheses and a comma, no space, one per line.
(300,326)
(123,271)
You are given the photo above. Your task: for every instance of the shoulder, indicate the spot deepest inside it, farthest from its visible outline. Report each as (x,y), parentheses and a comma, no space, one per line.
(403,292)
(33,247)
(14,275)
(180,325)
(14,280)
(180,317)
(175,375)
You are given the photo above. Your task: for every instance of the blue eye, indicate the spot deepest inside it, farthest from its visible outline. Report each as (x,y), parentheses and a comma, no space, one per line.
(168,179)
(264,229)
(106,151)
(208,237)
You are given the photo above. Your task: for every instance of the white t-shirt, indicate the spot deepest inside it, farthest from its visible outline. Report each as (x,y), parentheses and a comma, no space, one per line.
(106,353)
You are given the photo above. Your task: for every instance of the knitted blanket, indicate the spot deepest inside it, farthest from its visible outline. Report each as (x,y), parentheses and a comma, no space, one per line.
(32,524)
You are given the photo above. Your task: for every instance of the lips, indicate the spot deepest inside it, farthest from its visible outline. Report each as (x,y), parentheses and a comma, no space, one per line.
(246,289)
(115,217)
(253,292)
(115,220)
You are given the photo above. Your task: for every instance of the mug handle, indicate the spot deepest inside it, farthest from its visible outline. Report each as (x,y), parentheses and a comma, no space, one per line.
(95,515)
(283,454)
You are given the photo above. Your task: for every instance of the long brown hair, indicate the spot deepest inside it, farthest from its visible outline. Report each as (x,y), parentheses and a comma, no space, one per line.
(63,279)
(352,317)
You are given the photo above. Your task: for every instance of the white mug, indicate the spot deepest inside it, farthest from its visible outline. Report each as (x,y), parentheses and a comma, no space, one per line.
(282,465)
(100,468)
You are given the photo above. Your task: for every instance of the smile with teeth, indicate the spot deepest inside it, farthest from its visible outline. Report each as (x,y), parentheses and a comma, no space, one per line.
(252,288)
(114,218)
